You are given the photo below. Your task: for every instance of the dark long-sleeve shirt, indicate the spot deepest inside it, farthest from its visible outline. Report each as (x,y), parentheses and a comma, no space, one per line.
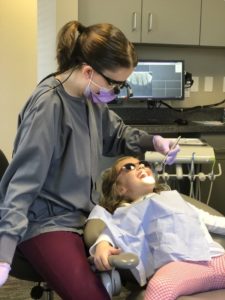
(48,185)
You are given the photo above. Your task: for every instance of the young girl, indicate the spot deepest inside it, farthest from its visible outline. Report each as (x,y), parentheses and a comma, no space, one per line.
(170,236)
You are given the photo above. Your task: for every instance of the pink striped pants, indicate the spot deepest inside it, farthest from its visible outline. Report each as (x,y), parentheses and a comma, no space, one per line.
(185,278)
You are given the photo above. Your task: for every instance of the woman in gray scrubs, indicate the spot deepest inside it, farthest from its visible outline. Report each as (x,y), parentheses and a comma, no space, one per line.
(64,129)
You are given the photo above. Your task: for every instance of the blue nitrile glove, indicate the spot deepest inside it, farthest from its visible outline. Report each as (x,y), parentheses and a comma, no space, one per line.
(165,146)
(4,272)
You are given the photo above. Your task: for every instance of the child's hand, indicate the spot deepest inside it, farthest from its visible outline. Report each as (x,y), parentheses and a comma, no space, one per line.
(102,252)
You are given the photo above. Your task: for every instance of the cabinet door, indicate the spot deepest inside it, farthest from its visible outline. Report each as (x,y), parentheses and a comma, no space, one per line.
(171,21)
(213,23)
(125,14)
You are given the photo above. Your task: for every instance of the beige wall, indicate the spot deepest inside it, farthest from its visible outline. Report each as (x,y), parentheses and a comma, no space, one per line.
(17,63)
(65,13)
(52,15)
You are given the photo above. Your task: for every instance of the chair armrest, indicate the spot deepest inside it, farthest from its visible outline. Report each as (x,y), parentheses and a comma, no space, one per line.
(124,260)
(92,230)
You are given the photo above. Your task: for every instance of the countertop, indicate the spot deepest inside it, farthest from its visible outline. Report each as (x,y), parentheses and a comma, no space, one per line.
(191,127)
(164,120)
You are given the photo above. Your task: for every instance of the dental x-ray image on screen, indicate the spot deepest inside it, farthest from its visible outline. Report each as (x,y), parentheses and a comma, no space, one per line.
(156,80)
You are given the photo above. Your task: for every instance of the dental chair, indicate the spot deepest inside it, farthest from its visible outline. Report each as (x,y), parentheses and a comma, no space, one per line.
(118,276)
(122,262)
(134,292)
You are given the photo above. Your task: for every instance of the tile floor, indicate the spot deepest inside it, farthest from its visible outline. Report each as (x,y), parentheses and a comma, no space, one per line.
(16,289)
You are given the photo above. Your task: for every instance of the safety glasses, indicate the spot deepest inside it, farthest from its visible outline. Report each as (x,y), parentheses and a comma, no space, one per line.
(133,166)
(113,83)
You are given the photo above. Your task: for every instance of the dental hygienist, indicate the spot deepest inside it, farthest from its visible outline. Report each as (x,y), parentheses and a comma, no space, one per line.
(64,129)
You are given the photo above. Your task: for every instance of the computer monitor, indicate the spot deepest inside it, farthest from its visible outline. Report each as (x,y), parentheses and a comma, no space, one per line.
(156,80)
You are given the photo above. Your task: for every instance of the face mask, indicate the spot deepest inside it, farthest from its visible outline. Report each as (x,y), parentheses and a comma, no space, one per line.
(103,96)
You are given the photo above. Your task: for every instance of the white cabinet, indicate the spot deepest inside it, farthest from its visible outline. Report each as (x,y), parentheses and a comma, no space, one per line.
(125,14)
(147,21)
(213,23)
(172,22)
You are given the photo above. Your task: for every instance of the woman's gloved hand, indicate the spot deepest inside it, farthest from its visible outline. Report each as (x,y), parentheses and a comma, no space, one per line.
(4,272)
(165,146)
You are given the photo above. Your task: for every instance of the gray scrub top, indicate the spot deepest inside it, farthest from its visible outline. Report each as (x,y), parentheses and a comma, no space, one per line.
(48,185)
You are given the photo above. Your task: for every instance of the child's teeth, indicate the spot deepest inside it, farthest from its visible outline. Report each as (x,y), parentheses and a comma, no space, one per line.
(149,179)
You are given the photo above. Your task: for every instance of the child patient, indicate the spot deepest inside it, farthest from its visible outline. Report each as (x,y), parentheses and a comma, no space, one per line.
(170,236)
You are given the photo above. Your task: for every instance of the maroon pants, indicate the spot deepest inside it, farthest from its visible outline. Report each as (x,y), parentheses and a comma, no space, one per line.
(60,258)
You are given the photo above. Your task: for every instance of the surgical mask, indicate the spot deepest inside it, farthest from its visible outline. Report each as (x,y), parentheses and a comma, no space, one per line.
(103,96)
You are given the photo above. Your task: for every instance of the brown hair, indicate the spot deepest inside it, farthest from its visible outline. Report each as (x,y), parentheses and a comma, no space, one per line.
(110,199)
(102,46)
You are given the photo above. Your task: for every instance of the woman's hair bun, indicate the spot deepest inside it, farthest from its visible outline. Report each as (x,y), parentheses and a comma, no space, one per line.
(80,28)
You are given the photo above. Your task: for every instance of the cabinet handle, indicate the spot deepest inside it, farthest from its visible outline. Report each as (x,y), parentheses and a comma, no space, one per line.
(134,21)
(150,19)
